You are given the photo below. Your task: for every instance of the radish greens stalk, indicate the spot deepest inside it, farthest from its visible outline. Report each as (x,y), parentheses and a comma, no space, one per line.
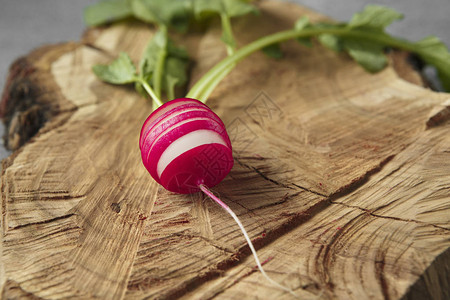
(150,91)
(161,57)
(225,9)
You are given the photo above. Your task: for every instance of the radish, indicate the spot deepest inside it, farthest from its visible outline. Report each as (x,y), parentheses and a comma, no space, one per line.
(185,148)
(184,144)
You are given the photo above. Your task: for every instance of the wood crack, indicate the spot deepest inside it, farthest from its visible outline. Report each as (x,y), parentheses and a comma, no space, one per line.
(263,175)
(372,213)
(238,279)
(284,199)
(99,49)
(13,287)
(309,190)
(42,222)
(380,264)
(209,241)
(359,182)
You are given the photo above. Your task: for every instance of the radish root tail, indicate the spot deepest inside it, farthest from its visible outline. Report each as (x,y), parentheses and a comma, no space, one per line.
(249,242)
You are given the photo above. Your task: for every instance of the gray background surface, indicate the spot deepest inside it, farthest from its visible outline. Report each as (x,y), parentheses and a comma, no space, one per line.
(27,24)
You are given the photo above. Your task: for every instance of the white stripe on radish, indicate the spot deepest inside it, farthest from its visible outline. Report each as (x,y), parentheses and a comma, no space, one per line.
(186,143)
(176,126)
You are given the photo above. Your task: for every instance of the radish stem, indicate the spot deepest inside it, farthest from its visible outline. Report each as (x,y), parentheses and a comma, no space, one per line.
(211,79)
(159,68)
(249,242)
(150,91)
(171,92)
(210,88)
(226,27)
(231,49)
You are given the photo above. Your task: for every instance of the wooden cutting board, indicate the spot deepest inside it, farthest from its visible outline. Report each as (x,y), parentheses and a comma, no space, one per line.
(341,177)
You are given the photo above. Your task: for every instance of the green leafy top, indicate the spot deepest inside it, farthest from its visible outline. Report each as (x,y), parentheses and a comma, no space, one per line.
(368,53)
(175,14)
(364,38)
(120,71)
(172,13)
(231,8)
(107,11)
(374,17)
(434,52)
(176,61)
(163,65)
(226,9)
(172,73)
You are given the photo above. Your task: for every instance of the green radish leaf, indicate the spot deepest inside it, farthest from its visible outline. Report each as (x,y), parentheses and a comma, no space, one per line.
(169,85)
(330,41)
(144,12)
(444,76)
(149,58)
(432,46)
(228,38)
(175,66)
(157,43)
(231,8)
(107,11)
(139,88)
(177,13)
(177,62)
(236,8)
(181,22)
(120,71)
(305,42)
(368,54)
(175,74)
(375,17)
(176,51)
(273,51)
(434,52)
(204,8)
(301,23)
(171,13)
(226,9)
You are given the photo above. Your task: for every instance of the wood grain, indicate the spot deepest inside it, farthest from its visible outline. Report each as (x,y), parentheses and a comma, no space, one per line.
(341,178)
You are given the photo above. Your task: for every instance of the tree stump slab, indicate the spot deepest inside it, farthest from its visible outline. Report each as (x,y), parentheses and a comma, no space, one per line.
(341,177)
